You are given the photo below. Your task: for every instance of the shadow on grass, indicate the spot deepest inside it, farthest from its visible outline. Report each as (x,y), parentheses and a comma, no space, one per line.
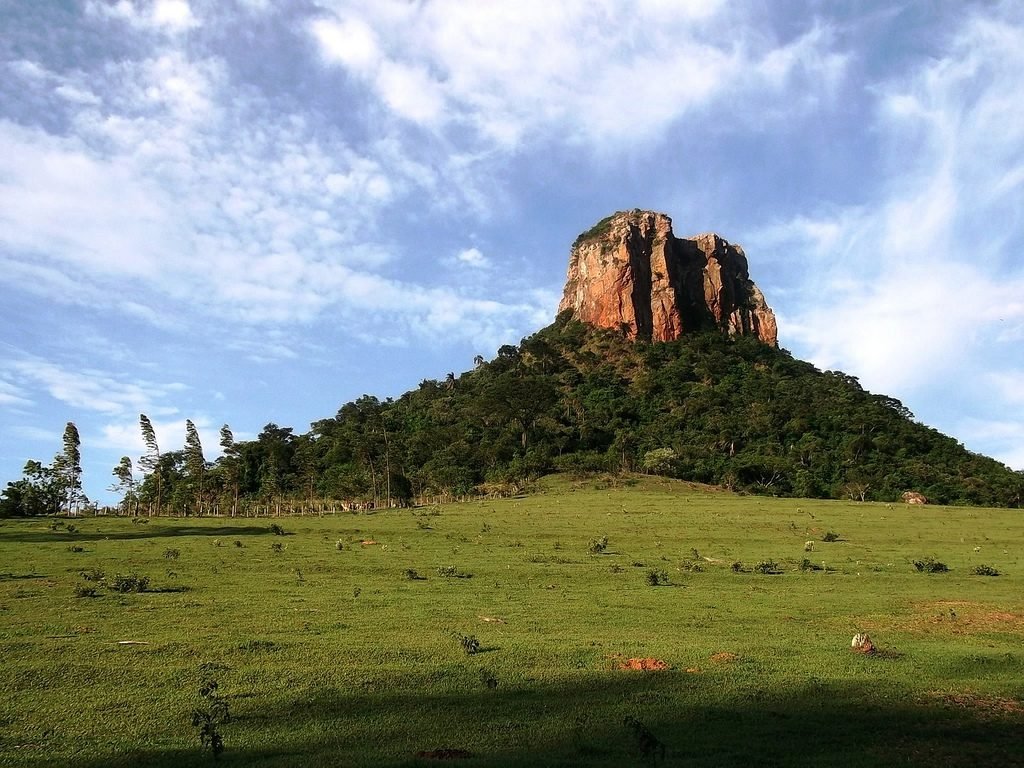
(591,721)
(151,531)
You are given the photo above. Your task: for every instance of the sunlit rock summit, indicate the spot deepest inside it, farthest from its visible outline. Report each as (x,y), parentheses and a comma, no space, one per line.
(632,274)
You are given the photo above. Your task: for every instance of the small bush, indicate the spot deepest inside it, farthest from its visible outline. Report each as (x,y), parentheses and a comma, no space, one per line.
(984,570)
(72,529)
(84,590)
(930,565)
(277,530)
(238,543)
(76,548)
(93,574)
(277,546)
(830,536)
(470,644)
(691,566)
(598,546)
(171,554)
(767,567)
(656,578)
(131,582)
(736,567)
(807,565)
(411,574)
(451,572)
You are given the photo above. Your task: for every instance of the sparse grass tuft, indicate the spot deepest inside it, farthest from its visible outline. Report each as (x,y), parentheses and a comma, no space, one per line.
(930,565)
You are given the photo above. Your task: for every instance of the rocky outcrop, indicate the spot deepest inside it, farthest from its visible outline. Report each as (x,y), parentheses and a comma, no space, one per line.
(631,273)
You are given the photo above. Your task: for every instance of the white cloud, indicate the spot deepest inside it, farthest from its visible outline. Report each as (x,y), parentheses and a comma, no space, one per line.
(472,257)
(574,70)
(171,16)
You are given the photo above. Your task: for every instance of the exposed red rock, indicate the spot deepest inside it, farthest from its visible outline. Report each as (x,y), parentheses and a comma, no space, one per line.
(630,273)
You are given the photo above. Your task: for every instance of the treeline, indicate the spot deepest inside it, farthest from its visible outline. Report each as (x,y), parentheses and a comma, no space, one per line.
(708,408)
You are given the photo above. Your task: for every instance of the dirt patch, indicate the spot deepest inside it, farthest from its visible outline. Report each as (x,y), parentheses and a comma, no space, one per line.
(368,542)
(724,657)
(957,617)
(648,664)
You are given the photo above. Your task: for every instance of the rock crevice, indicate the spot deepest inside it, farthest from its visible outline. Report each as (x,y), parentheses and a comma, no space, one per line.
(632,274)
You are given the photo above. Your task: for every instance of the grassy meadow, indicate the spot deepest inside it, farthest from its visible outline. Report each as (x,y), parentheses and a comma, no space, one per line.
(329,651)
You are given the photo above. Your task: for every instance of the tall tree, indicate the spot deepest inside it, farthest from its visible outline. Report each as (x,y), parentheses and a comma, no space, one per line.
(125,484)
(230,463)
(68,467)
(150,461)
(195,463)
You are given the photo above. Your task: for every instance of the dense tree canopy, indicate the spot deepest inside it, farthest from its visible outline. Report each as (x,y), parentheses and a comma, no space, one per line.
(708,408)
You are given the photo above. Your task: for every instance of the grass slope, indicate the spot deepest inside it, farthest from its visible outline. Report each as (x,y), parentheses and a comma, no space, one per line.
(334,657)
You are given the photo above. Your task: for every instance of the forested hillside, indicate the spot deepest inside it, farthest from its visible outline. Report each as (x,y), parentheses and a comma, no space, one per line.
(707,407)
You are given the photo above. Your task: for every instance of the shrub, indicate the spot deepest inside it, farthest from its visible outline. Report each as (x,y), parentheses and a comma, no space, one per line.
(238,543)
(209,716)
(930,565)
(171,554)
(737,567)
(411,574)
(470,644)
(656,578)
(767,567)
(277,530)
(984,570)
(131,582)
(72,529)
(598,546)
(76,548)
(451,572)
(830,536)
(277,546)
(84,590)
(691,566)
(807,565)
(93,574)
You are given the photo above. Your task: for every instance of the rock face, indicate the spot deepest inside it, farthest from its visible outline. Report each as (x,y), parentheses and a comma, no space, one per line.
(631,273)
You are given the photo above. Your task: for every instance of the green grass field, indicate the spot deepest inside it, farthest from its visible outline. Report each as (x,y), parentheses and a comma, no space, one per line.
(335,657)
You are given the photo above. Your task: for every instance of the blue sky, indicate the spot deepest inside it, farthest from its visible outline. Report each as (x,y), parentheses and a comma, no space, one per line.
(248,211)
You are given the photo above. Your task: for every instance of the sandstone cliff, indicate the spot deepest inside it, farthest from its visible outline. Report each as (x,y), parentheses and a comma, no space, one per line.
(630,273)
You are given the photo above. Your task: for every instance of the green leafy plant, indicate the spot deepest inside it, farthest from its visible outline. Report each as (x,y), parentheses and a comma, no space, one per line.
(830,536)
(84,590)
(807,565)
(930,565)
(736,567)
(171,554)
(131,582)
(209,716)
(277,546)
(277,530)
(598,546)
(984,570)
(767,567)
(656,578)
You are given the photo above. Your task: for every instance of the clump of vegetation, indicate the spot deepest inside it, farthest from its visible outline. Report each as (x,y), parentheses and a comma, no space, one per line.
(451,572)
(598,546)
(171,554)
(239,544)
(411,574)
(93,574)
(488,679)
(470,644)
(598,230)
(76,548)
(930,565)
(209,716)
(830,536)
(257,645)
(71,528)
(277,530)
(691,566)
(736,567)
(768,567)
(984,570)
(131,582)
(140,521)
(55,525)
(807,565)
(339,545)
(277,546)
(85,590)
(656,578)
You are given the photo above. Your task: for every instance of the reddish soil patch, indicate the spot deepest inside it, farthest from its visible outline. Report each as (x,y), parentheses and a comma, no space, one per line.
(444,754)
(648,664)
